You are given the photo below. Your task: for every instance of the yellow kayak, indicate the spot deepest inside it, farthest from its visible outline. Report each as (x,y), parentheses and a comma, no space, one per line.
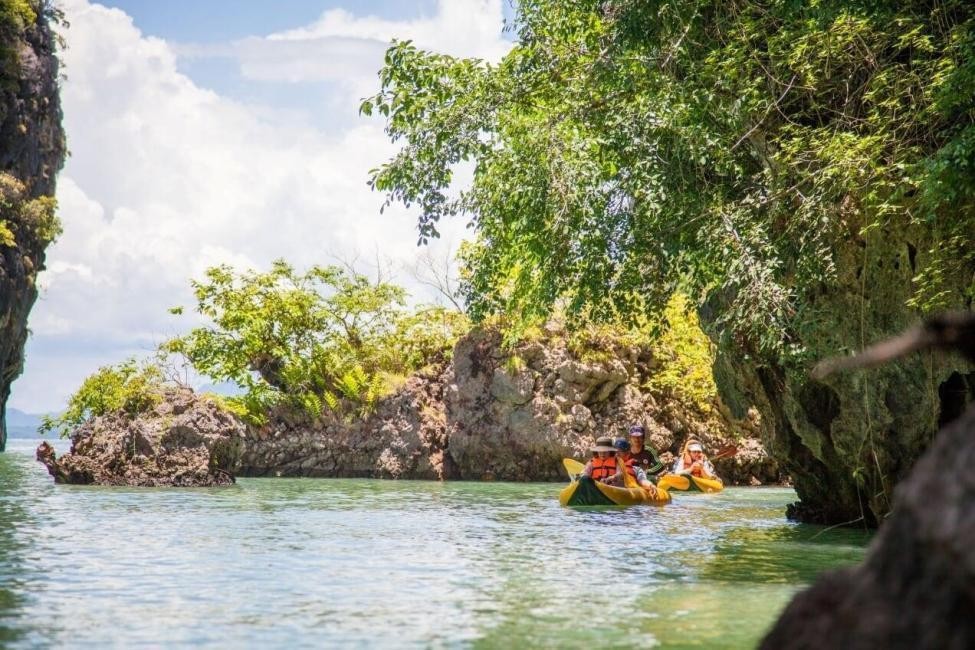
(586,492)
(686,482)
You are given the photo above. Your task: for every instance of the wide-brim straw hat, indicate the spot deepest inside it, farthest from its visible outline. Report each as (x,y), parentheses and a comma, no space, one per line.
(603,443)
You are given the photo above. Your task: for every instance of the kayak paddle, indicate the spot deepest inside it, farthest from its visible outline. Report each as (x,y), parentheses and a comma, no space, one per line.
(573,467)
(725,452)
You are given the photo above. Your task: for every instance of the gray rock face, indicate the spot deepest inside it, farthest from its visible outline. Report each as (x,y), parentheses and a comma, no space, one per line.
(916,587)
(32,151)
(404,438)
(495,414)
(187,441)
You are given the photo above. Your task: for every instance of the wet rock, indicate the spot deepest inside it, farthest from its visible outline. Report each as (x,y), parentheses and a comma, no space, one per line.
(187,441)
(916,587)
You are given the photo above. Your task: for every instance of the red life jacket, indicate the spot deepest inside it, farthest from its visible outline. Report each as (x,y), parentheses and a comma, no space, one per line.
(603,467)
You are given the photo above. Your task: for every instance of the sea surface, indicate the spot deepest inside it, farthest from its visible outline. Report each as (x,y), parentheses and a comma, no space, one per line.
(392,564)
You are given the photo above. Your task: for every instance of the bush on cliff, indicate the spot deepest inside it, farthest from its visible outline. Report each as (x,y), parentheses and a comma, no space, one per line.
(23,218)
(130,387)
(685,356)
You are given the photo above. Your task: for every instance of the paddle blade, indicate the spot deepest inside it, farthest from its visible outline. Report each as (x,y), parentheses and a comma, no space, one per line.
(725,452)
(573,467)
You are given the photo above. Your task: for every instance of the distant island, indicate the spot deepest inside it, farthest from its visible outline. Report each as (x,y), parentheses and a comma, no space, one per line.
(22,425)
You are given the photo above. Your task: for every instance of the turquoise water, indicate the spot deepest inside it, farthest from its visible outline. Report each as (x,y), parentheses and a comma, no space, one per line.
(361,563)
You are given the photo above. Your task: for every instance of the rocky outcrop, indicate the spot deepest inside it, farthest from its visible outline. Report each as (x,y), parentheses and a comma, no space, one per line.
(186,441)
(31,153)
(916,587)
(505,415)
(847,440)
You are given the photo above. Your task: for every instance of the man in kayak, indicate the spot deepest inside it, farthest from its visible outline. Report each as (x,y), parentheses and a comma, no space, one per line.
(693,461)
(642,456)
(633,469)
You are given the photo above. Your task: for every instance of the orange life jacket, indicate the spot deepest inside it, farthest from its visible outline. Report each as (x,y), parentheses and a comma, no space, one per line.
(628,463)
(603,467)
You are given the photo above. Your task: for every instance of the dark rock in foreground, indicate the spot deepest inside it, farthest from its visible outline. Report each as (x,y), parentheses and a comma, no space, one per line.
(916,587)
(186,441)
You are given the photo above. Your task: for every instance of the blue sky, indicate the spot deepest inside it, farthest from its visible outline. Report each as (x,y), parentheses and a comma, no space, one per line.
(211,132)
(214,21)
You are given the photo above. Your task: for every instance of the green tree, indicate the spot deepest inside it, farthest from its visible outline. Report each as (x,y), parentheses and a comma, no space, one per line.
(313,339)
(627,148)
(306,338)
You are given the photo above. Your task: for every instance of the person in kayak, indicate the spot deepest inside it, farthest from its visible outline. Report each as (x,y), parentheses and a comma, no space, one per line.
(640,454)
(633,469)
(603,466)
(693,461)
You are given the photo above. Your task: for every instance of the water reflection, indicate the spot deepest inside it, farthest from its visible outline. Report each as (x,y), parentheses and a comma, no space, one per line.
(16,525)
(313,562)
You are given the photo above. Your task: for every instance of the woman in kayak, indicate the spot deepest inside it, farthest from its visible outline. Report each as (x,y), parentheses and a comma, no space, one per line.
(603,466)
(693,461)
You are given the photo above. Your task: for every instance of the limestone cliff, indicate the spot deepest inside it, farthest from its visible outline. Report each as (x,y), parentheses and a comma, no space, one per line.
(32,150)
(492,413)
(848,440)
(916,587)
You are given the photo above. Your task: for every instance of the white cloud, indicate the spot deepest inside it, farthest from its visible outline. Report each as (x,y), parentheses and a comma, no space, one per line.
(469,28)
(167,178)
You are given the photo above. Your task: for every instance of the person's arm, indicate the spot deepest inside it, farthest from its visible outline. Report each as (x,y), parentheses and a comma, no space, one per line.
(587,470)
(708,469)
(642,481)
(678,466)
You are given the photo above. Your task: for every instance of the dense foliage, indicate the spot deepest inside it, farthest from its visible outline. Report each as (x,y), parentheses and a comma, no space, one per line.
(684,355)
(24,219)
(326,338)
(626,148)
(130,387)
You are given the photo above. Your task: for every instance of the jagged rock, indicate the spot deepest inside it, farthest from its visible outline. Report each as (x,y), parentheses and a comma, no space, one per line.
(186,441)
(473,418)
(916,587)
(512,388)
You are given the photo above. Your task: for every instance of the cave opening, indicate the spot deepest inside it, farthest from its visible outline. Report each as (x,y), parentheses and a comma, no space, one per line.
(954,394)
(821,405)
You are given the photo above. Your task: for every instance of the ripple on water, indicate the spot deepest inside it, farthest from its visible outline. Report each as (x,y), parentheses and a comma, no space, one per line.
(307,563)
